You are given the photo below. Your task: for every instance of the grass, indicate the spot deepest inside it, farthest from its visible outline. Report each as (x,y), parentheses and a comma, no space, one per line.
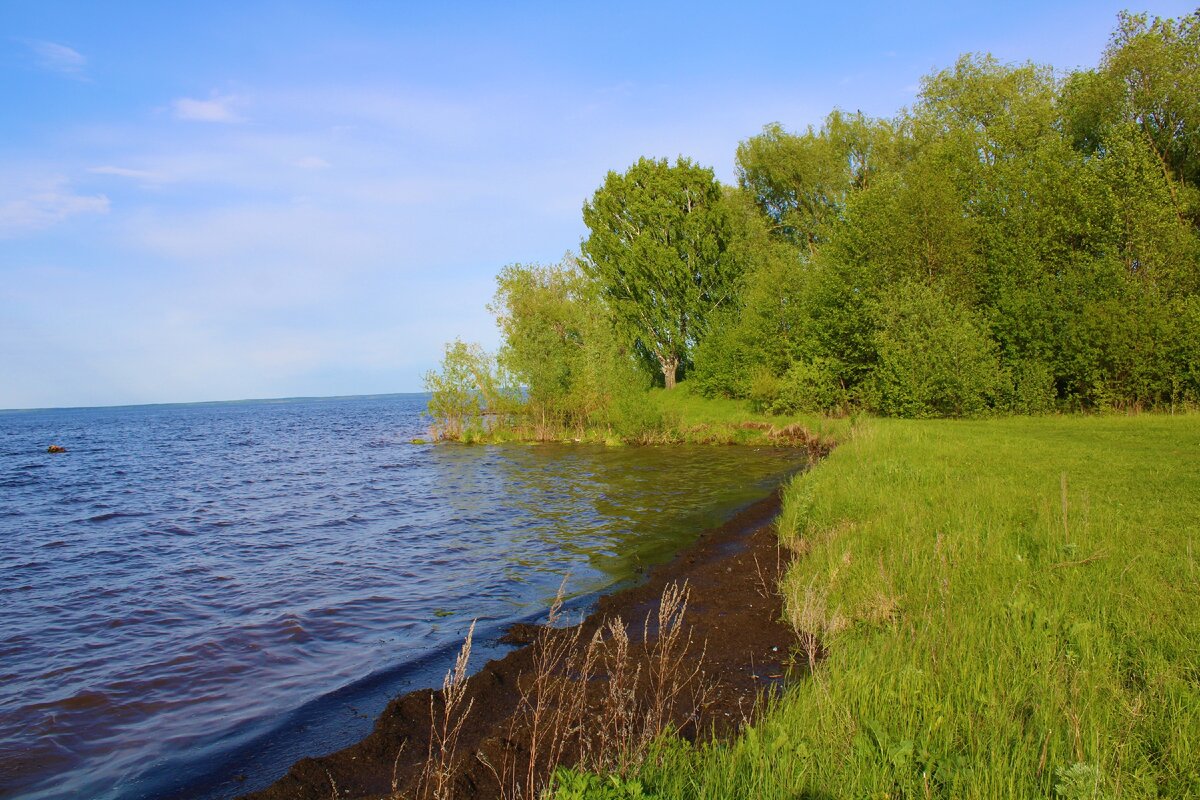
(994,609)
(692,417)
(666,417)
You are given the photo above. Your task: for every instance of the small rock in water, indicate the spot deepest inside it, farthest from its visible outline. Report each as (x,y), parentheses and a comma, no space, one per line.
(55,448)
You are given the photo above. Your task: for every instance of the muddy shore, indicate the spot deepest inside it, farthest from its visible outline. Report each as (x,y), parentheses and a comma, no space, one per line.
(736,647)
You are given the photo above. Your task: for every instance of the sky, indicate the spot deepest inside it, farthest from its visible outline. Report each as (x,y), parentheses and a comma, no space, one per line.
(225,200)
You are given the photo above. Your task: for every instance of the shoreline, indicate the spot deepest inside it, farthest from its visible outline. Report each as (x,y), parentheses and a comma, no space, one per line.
(734,617)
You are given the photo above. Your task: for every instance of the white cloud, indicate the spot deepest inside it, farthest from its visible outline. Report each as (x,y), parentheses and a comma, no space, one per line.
(45,205)
(311,162)
(58,57)
(126,172)
(219,108)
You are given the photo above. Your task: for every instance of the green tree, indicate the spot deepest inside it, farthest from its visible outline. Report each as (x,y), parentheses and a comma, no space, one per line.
(801,181)
(762,329)
(1156,65)
(462,391)
(657,247)
(559,344)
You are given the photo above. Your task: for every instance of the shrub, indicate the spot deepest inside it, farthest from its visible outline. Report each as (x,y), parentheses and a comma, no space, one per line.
(1028,388)
(810,385)
(461,391)
(934,358)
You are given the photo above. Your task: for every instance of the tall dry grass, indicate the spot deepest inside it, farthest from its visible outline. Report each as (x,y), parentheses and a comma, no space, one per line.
(597,702)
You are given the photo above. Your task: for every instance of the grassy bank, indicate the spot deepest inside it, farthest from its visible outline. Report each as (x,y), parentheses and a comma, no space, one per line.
(662,417)
(1002,608)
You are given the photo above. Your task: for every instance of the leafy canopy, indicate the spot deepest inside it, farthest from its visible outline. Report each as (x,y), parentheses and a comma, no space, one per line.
(658,249)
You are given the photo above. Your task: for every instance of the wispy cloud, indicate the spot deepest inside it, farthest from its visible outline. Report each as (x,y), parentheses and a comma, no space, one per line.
(311,162)
(145,175)
(46,205)
(218,108)
(58,57)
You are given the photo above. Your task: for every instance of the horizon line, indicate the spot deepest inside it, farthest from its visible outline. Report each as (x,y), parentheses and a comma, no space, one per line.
(297,398)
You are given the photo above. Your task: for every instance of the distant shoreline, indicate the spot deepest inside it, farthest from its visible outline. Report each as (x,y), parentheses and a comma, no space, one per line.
(246,401)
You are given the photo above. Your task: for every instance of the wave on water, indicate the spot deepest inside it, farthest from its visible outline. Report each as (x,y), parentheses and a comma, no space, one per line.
(200,591)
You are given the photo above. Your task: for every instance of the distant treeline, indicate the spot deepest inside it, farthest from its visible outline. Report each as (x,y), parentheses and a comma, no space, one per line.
(1017,241)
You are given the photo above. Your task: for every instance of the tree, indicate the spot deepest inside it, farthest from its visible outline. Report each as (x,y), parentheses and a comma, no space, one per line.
(463,391)
(1149,78)
(801,181)
(559,345)
(658,242)
(1157,65)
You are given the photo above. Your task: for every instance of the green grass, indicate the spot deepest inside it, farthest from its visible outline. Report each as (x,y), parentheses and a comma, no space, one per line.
(671,417)
(1010,608)
(691,417)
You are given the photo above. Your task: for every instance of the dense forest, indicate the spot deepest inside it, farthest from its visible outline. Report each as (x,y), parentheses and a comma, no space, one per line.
(1018,241)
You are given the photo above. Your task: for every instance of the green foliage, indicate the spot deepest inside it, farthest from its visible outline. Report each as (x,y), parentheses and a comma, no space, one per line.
(1187,351)
(1055,220)
(801,182)
(1027,387)
(560,347)
(1079,781)
(573,785)
(657,249)
(806,386)
(460,392)
(934,358)
(1017,241)
(1153,67)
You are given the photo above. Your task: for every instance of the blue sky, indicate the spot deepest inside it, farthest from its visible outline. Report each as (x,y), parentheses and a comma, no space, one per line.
(228,200)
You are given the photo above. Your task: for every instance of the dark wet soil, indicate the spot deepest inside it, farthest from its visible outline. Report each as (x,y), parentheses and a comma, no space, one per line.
(738,645)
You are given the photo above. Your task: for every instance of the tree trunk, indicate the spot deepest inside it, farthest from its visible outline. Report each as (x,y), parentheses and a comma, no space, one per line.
(669,367)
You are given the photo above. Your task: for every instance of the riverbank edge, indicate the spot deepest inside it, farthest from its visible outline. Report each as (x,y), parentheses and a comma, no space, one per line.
(732,572)
(679,416)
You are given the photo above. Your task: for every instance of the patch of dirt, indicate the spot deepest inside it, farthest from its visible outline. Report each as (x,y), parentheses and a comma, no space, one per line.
(737,639)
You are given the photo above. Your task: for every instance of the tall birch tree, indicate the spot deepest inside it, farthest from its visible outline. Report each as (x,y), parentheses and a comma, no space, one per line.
(658,248)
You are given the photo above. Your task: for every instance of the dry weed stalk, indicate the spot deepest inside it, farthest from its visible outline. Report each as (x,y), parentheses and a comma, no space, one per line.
(609,729)
(614,734)
(808,620)
(553,705)
(437,774)
(668,674)
(769,585)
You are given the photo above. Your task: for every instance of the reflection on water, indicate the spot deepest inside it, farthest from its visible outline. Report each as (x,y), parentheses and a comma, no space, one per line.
(194,591)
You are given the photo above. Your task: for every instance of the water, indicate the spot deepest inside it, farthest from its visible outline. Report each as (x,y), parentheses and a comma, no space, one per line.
(194,596)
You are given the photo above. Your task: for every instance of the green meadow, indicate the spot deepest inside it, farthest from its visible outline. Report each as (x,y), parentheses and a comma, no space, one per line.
(992,608)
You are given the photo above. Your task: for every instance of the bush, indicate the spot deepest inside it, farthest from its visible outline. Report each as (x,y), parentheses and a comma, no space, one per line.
(632,416)
(934,358)
(1187,351)
(461,391)
(1029,388)
(811,385)
(763,390)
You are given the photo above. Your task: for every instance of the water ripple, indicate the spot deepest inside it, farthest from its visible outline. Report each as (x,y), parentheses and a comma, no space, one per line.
(186,576)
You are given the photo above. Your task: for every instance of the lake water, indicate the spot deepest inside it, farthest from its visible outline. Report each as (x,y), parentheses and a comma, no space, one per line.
(195,596)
